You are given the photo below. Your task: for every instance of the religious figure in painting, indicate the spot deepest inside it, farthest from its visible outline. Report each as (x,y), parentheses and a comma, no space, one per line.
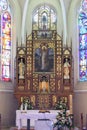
(44,59)
(66,69)
(21,69)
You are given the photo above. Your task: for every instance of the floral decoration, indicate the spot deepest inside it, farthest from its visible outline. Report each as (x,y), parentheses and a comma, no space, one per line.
(26,103)
(63,118)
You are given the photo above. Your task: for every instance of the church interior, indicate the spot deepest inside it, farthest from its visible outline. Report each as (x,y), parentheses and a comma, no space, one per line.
(43,58)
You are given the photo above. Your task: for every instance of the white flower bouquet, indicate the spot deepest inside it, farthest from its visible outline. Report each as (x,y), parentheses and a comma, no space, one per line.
(64,118)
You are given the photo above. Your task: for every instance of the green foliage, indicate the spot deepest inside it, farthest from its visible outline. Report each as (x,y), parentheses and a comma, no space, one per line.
(61,104)
(28,103)
(64,119)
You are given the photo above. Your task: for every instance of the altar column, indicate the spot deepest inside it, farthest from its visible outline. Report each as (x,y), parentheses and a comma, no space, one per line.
(71,103)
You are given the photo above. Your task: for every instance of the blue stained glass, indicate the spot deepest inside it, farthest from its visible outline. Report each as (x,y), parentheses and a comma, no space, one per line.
(84,5)
(82,53)
(82,22)
(86,54)
(83,41)
(83,73)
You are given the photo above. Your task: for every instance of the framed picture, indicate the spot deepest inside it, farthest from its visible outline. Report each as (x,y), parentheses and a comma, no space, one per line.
(44,59)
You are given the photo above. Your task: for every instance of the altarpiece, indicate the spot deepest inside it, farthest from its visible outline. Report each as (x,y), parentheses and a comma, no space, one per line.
(44,68)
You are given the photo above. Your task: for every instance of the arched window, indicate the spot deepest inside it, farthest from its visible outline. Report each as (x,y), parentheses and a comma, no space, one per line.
(44,18)
(5,41)
(82,22)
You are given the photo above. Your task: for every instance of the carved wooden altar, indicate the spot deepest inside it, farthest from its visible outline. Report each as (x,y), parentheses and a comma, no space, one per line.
(44,82)
(47,72)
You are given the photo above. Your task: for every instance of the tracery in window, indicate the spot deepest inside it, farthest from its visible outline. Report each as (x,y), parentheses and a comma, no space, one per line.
(44,18)
(3,5)
(82,22)
(5,37)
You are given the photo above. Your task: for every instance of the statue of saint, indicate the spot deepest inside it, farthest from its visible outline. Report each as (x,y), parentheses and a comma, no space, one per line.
(66,69)
(21,69)
(44,86)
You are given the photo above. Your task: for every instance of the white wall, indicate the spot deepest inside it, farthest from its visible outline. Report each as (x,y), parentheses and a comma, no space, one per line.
(8,102)
(80,106)
(8,106)
(67,12)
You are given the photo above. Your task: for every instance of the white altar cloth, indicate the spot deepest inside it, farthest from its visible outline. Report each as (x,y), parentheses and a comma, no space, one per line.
(33,115)
(43,125)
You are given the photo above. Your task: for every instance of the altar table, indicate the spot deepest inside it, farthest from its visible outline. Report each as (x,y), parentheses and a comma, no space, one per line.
(33,115)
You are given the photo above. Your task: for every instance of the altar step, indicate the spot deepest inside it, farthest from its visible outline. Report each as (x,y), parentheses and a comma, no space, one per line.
(15,128)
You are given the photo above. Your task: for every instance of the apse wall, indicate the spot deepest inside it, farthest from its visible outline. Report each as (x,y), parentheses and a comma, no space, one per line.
(8,106)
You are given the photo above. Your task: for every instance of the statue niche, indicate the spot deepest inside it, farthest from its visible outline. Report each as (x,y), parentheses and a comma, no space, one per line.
(66,68)
(21,66)
(43,85)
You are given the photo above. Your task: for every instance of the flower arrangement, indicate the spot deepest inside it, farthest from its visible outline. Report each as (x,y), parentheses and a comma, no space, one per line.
(26,104)
(61,104)
(64,119)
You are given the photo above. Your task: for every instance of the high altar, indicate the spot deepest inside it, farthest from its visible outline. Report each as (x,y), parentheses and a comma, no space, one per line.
(44,67)
(34,115)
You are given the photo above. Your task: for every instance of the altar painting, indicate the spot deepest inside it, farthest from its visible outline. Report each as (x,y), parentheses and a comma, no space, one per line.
(44,59)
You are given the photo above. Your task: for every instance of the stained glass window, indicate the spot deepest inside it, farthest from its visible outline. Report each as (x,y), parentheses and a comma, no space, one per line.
(3,5)
(44,18)
(82,22)
(5,40)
